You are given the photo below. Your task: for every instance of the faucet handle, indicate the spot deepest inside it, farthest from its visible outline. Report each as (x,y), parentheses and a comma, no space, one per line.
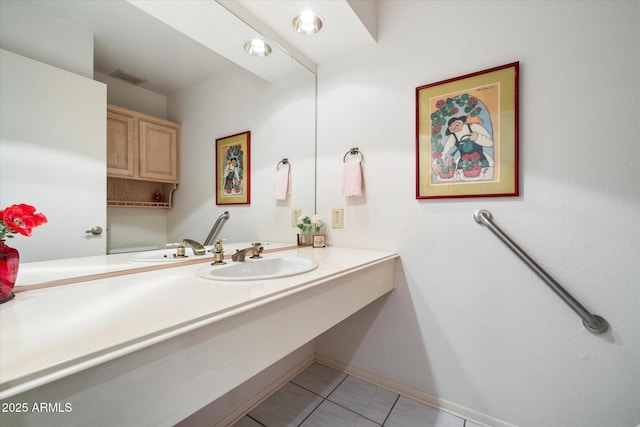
(218,254)
(257,250)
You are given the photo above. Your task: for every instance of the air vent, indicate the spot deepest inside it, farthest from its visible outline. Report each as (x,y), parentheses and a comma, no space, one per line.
(131,78)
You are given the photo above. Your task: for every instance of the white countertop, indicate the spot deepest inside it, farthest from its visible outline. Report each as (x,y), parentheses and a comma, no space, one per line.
(53,332)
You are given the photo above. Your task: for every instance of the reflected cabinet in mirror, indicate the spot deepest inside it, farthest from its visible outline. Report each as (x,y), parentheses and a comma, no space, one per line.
(53,134)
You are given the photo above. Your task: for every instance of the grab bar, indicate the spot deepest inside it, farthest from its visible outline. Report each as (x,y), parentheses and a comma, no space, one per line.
(594,323)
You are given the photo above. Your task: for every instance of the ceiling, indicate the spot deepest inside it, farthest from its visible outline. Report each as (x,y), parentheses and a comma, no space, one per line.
(174,44)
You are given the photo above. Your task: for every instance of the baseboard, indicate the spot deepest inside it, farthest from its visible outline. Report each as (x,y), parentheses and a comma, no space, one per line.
(256,400)
(420,396)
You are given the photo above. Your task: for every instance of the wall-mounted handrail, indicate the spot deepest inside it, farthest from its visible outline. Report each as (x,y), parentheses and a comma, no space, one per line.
(594,323)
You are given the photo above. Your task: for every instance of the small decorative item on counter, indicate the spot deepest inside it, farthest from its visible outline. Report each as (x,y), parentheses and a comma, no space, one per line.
(319,241)
(16,219)
(157,197)
(304,224)
(309,226)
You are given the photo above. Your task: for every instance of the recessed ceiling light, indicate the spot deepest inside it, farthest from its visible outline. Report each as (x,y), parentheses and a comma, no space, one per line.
(307,22)
(257,47)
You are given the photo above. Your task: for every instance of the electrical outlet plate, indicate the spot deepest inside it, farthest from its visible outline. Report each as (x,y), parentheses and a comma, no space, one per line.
(337,216)
(295,214)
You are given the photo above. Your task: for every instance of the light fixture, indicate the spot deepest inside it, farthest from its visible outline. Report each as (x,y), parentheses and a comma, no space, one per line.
(257,47)
(307,22)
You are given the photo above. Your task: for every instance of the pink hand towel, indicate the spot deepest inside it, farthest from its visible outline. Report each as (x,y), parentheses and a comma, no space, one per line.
(352,178)
(282,187)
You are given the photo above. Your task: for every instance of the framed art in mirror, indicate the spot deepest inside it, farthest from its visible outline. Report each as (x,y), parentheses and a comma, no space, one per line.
(467,135)
(233,169)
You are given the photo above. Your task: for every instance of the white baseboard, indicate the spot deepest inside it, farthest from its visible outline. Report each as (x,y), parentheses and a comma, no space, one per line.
(420,396)
(256,400)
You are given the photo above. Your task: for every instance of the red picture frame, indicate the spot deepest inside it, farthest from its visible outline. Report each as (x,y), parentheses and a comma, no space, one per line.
(467,135)
(233,169)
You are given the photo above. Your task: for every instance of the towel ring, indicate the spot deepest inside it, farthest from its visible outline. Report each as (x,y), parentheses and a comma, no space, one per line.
(353,152)
(283,162)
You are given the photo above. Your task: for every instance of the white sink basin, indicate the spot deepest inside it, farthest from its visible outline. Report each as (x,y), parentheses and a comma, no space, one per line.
(258,269)
(165,255)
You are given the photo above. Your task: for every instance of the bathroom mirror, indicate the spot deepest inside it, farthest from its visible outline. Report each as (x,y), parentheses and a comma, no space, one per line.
(281,117)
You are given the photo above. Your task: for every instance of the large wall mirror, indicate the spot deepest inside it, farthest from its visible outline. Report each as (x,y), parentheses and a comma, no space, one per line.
(210,95)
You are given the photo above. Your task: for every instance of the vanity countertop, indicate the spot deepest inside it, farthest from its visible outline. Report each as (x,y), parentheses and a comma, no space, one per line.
(53,332)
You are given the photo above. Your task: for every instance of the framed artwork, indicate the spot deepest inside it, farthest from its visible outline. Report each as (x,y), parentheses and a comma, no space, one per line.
(233,171)
(319,241)
(467,135)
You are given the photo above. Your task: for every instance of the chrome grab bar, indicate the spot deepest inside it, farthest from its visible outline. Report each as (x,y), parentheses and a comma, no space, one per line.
(594,323)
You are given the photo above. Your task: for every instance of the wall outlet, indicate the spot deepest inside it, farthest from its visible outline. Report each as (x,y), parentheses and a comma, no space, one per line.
(295,214)
(337,216)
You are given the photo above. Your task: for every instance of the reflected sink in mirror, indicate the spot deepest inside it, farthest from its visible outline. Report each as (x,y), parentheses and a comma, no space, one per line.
(166,255)
(258,269)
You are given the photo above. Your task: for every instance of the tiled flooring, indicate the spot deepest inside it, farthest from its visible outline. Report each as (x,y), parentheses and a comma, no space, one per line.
(323,397)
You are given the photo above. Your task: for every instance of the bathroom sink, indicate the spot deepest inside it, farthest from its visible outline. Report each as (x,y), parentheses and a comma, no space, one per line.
(165,255)
(258,269)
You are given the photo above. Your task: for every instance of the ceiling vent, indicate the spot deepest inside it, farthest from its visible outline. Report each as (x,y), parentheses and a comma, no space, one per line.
(128,77)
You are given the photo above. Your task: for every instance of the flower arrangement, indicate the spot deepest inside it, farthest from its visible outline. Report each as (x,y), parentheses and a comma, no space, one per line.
(19,219)
(316,222)
(447,166)
(471,164)
(304,223)
(308,223)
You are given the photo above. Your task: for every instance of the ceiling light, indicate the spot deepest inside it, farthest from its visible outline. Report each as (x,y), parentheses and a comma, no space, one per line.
(257,47)
(307,22)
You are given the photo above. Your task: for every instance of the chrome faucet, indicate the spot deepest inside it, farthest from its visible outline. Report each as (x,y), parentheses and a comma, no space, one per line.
(216,228)
(256,249)
(198,249)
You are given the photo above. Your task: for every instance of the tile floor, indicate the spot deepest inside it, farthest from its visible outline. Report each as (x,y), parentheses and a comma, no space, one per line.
(324,397)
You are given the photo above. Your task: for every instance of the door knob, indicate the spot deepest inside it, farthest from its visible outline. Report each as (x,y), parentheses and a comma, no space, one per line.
(96,231)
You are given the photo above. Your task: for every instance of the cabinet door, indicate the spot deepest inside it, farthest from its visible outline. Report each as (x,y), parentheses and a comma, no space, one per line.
(121,147)
(158,151)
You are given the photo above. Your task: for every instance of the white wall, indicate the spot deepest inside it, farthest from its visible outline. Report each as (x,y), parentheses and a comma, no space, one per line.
(280,116)
(469,323)
(38,35)
(128,95)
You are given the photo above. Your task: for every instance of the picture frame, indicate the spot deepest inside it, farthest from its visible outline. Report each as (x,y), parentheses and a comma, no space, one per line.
(319,241)
(233,169)
(467,135)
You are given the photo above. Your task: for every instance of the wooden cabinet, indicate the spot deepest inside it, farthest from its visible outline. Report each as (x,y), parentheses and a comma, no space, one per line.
(142,158)
(120,144)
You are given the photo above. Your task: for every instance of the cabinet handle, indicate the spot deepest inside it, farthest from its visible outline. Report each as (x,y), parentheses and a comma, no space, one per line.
(96,231)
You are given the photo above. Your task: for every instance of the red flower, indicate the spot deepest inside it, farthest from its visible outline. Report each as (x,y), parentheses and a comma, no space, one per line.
(436,129)
(472,101)
(440,103)
(454,110)
(436,154)
(476,166)
(475,156)
(21,219)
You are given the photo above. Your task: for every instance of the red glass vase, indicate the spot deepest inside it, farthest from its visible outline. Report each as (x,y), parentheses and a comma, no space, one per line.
(9,263)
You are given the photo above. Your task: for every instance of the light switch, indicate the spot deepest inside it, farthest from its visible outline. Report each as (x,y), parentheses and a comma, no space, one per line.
(337,216)
(295,214)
